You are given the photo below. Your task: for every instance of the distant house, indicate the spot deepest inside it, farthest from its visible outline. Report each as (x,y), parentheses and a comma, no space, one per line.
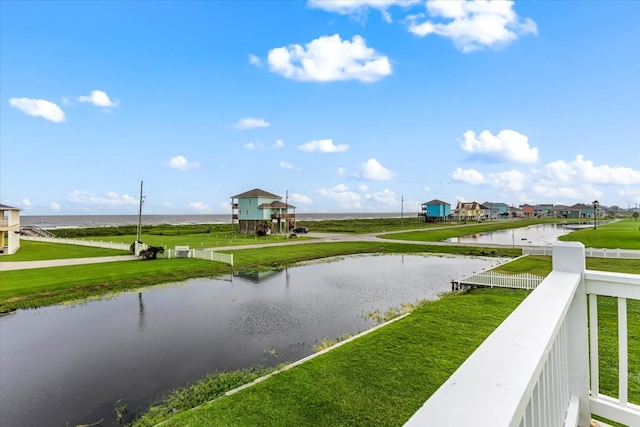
(468,211)
(9,229)
(528,211)
(515,212)
(436,211)
(496,208)
(577,211)
(256,206)
(486,211)
(543,210)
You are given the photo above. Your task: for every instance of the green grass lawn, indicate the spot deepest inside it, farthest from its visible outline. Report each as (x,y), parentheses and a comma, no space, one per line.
(38,251)
(623,234)
(541,265)
(380,379)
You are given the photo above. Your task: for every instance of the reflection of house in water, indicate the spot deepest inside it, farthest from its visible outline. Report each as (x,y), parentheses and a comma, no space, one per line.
(257,276)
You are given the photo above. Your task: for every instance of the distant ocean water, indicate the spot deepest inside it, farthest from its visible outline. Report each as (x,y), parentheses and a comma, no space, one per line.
(83,221)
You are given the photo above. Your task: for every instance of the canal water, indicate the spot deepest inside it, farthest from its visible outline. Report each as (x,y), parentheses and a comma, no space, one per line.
(535,235)
(74,364)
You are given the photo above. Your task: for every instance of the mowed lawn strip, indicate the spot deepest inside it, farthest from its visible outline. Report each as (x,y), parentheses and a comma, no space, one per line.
(380,379)
(40,251)
(624,234)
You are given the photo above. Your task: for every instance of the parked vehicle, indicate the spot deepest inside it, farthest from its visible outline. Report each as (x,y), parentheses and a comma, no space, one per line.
(301,230)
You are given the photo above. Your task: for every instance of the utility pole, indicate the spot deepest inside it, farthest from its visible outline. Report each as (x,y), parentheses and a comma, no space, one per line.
(286,217)
(401,211)
(139,235)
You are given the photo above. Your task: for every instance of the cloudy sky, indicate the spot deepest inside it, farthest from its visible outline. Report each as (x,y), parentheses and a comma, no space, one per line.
(349,106)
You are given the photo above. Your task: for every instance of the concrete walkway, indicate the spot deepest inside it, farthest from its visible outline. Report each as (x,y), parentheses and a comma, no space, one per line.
(23,265)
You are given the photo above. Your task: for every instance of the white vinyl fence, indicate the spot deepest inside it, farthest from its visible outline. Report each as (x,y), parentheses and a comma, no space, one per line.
(199,254)
(540,367)
(589,252)
(492,278)
(80,242)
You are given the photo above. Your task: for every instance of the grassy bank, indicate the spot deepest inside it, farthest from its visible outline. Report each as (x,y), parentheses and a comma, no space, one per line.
(381,379)
(377,380)
(623,234)
(38,251)
(541,265)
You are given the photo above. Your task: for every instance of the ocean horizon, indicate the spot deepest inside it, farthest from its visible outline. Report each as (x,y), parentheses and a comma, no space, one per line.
(86,221)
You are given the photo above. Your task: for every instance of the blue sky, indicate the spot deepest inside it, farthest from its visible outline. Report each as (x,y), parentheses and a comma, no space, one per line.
(349,106)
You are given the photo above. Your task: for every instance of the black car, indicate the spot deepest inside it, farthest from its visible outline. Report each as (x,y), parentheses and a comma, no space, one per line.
(301,230)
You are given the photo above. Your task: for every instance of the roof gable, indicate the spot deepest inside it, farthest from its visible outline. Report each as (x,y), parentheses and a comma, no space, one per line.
(436,202)
(256,192)
(8,208)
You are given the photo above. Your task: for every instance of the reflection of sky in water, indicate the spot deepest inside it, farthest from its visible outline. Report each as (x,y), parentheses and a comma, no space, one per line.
(73,364)
(536,235)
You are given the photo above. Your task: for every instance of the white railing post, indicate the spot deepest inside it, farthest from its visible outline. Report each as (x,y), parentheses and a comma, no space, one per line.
(569,257)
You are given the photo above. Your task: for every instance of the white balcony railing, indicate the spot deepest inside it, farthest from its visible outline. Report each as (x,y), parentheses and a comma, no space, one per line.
(533,370)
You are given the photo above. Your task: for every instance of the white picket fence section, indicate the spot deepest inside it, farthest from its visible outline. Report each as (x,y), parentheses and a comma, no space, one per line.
(80,242)
(589,252)
(492,278)
(199,254)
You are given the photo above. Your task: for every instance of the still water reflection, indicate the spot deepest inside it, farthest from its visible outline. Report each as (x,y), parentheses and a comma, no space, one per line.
(72,364)
(535,235)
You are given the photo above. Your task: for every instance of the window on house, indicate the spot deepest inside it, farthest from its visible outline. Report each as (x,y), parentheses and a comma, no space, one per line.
(247,211)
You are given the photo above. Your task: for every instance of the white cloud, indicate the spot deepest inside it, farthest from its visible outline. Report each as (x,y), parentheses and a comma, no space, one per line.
(341,194)
(584,171)
(386,197)
(181,163)
(286,165)
(329,58)
(39,108)
(300,199)
(323,146)
(470,176)
(55,207)
(359,7)
(341,171)
(251,123)
(254,60)
(253,146)
(632,194)
(578,180)
(111,199)
(374,171)
(427,189)
(278,144)
(473,24)
(363,187)
(99,99)
(199,206)
(508,145)
(512,180)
